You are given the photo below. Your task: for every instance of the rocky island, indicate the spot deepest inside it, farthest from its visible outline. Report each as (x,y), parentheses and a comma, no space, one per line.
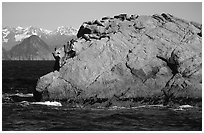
(129,60)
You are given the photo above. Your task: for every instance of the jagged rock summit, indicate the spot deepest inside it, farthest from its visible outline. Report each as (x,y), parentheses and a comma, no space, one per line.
(131,59)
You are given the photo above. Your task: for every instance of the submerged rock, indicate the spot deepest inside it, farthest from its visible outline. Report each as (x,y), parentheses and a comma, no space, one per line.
(130,57)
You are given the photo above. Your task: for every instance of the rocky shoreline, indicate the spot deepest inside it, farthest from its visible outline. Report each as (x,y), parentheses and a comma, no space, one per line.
(97,103)
(127,61)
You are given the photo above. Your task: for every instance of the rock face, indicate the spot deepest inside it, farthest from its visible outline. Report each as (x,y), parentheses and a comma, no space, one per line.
(130,57)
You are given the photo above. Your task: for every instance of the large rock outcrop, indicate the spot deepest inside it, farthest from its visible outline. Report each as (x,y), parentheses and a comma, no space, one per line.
(130,57)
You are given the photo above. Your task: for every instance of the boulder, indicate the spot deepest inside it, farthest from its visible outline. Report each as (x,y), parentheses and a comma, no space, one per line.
(142,57)
(121,17)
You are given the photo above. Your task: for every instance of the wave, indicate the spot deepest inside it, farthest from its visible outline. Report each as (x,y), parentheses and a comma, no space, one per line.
(148,106)
(24,95)
(17,97)
(18,94)
(27,99)
(136,107)
(183,107)
(48,103)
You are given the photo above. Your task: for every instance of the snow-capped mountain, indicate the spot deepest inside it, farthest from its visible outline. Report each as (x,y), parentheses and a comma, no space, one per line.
(13,36)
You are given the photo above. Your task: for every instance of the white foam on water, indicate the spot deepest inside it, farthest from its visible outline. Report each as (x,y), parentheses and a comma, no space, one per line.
(24,103)
(116,107)
(177,109)
(137,107)
(24,95)
(48,103)
(183,107)
(145,106)
(18,94)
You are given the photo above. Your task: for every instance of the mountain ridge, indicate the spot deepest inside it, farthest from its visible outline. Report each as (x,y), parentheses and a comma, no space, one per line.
(33,48)
(12,36)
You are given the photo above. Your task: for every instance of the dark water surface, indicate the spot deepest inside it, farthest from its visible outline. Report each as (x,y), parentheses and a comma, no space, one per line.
(23,75)
(20,77)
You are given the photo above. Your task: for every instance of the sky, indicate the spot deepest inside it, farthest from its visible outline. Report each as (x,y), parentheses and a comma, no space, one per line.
(50,15)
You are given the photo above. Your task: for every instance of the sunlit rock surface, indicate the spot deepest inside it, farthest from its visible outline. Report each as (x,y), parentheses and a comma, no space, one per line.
(156,57)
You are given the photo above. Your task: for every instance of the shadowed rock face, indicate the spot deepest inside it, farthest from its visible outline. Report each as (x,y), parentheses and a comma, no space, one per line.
(138,57)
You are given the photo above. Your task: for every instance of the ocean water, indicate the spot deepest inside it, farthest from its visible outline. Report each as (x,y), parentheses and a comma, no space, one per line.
(19,78)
